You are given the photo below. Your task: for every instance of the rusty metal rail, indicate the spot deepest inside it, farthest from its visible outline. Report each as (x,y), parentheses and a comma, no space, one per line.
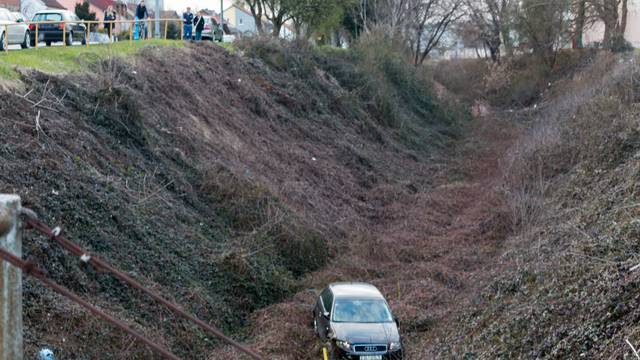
(55,234)
(31,269)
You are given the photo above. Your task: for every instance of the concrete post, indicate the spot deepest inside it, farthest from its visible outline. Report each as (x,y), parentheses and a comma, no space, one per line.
(11,347)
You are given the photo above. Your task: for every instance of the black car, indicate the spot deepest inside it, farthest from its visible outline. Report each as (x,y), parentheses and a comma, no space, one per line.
(74,29)
(356,322)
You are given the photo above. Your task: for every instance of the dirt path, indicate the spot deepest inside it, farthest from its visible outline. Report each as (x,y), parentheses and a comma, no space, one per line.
(430,253)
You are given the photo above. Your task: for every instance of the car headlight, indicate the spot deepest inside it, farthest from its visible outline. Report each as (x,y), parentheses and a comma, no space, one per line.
(395,346)
(344,345)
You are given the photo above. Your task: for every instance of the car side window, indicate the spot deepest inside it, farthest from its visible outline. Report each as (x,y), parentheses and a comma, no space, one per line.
(327,299)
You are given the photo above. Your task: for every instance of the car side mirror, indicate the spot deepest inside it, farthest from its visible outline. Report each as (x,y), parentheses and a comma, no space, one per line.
(326,315)
(19,20)
(397,322)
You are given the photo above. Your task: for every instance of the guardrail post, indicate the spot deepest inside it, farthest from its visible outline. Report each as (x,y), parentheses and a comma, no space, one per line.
(11,347)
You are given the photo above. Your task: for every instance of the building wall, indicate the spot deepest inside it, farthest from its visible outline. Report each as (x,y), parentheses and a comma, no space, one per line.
(596,32)
(240,20)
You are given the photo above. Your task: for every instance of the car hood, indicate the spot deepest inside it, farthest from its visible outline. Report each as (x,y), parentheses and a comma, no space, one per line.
(369,333)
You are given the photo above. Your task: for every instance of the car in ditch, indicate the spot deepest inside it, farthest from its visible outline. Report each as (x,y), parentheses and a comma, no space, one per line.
(356,322)
(13,30)
(58,25)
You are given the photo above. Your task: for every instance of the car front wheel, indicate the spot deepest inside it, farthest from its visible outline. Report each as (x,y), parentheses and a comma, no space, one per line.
(70,38)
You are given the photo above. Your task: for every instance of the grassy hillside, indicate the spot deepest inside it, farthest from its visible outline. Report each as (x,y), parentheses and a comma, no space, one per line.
(220,182)
(565,289)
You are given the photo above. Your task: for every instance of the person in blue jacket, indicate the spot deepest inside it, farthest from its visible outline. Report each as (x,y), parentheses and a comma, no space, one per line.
(187,19)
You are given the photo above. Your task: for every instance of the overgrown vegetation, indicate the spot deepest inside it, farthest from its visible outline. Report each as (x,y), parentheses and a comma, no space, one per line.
(570,183)
(224,203)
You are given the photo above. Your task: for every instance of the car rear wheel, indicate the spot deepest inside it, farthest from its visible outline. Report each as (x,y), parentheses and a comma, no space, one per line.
(26,43)
(2,44)
(48,42)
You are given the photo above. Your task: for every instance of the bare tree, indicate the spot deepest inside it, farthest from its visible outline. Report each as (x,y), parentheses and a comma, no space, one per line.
(544,25)
(613,14)
(581,18)
(257,11)
(278,12)
(429,21)
(493,19)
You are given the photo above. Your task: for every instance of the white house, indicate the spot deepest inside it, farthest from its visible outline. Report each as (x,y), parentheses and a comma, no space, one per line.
(241,20)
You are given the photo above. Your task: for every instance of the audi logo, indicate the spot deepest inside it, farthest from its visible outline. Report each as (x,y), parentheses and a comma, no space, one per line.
(370,348)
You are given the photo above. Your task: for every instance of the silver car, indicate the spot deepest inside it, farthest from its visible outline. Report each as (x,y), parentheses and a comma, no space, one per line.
(356,322)
(14,29)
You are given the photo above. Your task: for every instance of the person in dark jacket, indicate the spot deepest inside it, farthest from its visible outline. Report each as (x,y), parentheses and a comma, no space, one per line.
(198,22)
(109,15)
(187,19)
(142,14)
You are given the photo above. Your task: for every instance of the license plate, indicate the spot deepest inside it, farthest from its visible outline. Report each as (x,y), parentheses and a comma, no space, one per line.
(370,357)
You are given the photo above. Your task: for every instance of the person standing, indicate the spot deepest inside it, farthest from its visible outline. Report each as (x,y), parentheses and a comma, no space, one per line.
(142,14)
(199,25)
(109,16)
(187,19)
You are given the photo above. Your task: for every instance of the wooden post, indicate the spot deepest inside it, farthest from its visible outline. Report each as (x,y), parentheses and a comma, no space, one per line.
(37,26)
(64,34)
(131,32)
(110,25)
(181,31)
(11,347)
(87,33)
(166,27)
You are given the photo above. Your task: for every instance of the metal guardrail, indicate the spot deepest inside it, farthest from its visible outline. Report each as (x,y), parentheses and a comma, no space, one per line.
(144,25)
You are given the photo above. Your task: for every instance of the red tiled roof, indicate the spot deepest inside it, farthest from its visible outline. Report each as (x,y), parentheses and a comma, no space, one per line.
(53,4)
(10,4)
(102,4)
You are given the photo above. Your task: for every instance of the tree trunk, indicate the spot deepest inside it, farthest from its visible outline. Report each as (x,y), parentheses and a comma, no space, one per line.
(580,19)
(624,16)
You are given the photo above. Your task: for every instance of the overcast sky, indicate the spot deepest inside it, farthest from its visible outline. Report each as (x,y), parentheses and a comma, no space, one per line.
(181,5)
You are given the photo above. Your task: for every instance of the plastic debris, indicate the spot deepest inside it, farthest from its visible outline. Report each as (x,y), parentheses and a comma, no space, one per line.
(46,354)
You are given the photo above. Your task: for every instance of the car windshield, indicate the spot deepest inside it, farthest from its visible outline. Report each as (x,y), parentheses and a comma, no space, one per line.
(361,311)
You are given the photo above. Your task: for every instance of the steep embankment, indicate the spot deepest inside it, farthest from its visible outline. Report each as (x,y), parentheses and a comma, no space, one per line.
(217,179)
(566,289)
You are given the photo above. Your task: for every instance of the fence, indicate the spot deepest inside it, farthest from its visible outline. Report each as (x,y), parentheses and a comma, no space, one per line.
(10,282)
(144,26)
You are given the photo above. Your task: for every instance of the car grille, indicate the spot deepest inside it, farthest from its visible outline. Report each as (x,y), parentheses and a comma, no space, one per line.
(370,348)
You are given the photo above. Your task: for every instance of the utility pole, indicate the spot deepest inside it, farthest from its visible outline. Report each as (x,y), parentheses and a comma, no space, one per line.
(222,17)
(157,27)
(11,347)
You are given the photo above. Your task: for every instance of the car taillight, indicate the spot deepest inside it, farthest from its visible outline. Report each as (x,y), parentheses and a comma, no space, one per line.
(61,26)
(32,27)
(207,27)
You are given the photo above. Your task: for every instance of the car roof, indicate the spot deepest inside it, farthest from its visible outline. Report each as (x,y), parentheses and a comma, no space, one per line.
(53,11)
(355,290)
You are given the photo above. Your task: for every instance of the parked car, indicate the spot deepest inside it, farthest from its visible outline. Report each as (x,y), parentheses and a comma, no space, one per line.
(74,28)
(356,322)
(210,25)
(17,32)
